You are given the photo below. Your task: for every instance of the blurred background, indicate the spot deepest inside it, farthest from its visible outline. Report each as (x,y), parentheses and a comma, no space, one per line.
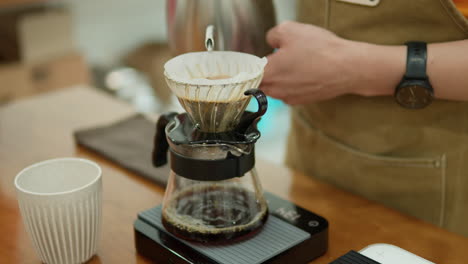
(117,46)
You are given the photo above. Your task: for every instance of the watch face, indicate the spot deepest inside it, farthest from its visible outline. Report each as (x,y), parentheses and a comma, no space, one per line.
(414,96)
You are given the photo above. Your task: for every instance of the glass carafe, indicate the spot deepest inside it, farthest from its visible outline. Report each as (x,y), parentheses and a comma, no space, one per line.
(213,210)
(213,193)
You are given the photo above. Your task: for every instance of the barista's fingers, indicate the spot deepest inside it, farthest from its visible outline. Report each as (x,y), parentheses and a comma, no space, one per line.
(273,38)
(266,88)
(272,68)
(275,91)
(276,36)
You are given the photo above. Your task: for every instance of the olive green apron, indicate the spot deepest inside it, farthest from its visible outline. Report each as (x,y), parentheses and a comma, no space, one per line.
(410,160)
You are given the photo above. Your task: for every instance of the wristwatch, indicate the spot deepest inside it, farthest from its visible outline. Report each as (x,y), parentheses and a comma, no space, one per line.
(415,91)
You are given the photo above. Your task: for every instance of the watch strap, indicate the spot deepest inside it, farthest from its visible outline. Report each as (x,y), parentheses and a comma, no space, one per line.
(416,60)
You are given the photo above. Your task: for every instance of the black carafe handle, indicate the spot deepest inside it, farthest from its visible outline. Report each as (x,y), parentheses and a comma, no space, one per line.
(262,101)
(160,142)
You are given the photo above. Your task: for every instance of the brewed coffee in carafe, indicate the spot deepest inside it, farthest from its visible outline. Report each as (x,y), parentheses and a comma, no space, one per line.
(213,193)
(213,213)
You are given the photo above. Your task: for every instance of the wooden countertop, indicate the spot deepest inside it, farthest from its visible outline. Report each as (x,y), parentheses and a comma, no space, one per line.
(41,127)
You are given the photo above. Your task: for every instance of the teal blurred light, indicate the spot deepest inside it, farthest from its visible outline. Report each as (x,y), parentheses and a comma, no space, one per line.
(267,124)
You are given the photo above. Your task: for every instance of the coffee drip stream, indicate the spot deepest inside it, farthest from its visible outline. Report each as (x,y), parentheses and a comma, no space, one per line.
(213,194)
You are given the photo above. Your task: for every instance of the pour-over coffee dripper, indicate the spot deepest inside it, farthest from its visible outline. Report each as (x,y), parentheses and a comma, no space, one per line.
(210,86)
(213,193)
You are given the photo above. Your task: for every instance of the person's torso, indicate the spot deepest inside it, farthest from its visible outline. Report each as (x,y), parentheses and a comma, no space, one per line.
(403,158)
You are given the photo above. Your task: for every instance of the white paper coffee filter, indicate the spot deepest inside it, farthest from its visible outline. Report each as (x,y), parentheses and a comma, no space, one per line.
(186,75)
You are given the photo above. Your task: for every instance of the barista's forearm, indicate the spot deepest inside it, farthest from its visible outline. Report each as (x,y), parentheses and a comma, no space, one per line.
(447,68)
(384,66)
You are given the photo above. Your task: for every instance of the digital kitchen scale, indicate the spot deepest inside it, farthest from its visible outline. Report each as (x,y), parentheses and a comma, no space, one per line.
(291,235)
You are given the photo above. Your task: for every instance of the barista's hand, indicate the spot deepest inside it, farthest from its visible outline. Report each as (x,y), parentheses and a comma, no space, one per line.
(313,64)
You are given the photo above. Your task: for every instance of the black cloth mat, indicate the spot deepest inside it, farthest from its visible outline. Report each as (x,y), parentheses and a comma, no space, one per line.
(129,143)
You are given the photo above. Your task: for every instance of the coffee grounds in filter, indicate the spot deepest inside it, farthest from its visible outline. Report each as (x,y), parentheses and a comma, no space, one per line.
(212,116)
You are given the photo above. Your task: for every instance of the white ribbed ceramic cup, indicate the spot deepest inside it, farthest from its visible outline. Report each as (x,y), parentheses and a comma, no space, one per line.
(60,203)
